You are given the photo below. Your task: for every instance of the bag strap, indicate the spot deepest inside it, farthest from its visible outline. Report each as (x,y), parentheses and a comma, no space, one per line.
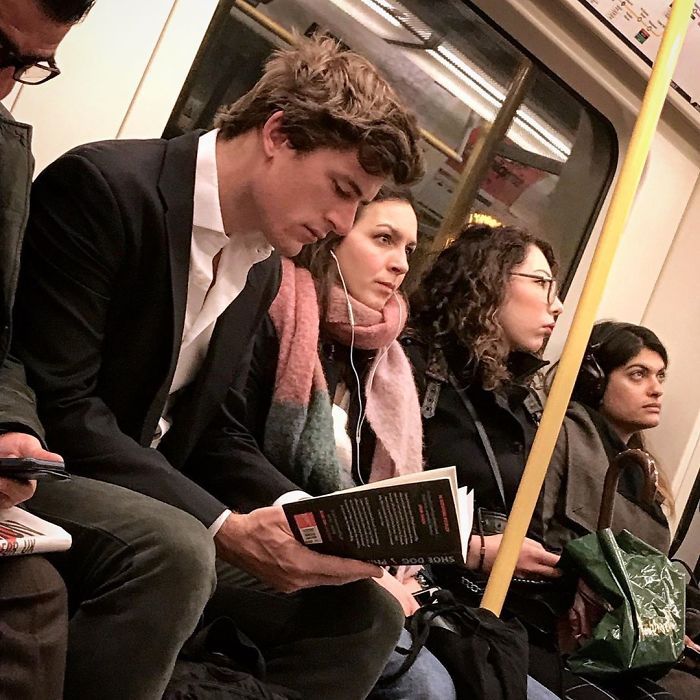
(419,636)
(419,625)
(690,572)
(485,442)
(437,373)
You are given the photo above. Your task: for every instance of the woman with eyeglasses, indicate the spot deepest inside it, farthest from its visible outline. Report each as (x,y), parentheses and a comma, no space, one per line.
(480,318)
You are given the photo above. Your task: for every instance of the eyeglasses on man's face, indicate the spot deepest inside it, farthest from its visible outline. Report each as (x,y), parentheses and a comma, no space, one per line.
(29,71)
(548,284)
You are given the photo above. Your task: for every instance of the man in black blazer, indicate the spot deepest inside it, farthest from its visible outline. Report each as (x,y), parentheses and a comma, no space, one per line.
(147,268)
(33,601)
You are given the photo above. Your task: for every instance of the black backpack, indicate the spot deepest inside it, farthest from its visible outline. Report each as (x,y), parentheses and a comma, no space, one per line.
(486,657)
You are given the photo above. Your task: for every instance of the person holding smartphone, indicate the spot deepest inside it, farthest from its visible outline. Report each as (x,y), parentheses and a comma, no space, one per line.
(33,604)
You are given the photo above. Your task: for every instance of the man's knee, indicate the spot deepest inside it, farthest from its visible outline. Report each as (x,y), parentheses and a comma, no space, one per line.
(378,611)
(179,551)
(125,537)
(381,603)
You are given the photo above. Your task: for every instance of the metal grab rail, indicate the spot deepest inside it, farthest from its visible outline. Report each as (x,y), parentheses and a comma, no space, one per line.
(615,220)
(279,31)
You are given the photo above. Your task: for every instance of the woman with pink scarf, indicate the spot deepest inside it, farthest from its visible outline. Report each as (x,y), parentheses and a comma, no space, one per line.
(343,409)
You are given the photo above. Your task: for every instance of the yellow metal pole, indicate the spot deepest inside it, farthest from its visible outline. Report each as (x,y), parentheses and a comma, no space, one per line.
(620,205)
(482,155)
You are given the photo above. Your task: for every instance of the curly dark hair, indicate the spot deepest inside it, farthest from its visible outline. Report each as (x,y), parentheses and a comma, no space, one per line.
(459,297)
(332,98)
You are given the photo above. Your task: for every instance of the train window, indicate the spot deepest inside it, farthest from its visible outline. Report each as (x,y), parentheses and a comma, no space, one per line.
(504,141)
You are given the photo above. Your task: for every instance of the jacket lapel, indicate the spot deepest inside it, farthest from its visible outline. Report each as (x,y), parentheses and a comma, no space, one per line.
(226,363)
(176,191)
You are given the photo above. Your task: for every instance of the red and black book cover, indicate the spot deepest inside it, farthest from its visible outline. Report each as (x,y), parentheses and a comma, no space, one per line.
(410,523)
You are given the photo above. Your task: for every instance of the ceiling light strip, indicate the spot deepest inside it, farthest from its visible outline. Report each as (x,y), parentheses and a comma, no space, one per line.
(377,7)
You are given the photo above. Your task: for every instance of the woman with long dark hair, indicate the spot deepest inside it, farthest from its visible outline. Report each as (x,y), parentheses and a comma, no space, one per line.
(617,396)
(342,409)
(481,317)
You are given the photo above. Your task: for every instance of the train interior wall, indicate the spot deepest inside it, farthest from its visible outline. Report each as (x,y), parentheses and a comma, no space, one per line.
(123,69)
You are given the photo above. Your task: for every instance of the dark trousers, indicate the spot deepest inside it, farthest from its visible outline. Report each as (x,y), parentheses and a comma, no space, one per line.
(138,576)
(140,573)
(33,629)
(331,642)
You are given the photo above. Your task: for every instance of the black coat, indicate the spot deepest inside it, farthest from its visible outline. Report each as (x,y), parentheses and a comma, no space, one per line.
(99,318)
(509,418)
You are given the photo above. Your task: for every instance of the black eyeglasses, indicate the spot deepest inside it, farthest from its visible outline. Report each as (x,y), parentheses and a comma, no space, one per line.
(27,71)
(549,284)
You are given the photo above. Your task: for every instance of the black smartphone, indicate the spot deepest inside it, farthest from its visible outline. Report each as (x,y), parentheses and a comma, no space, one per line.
(425,596)
(31,468)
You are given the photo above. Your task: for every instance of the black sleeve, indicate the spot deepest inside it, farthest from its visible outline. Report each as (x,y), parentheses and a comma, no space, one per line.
(75,249)
(229,461)
(260,384)
(17,402)
(415,353)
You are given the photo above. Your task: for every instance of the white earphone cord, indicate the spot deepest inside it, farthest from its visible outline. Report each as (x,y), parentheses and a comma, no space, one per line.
(360,419)
(370,379)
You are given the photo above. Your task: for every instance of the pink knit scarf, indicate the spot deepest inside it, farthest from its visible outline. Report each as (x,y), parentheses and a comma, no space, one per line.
(300,423)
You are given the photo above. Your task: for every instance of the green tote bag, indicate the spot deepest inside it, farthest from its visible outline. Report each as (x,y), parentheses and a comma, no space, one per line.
(643,595)
(640,593)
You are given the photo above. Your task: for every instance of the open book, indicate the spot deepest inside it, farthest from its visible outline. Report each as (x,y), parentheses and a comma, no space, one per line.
(421,518)
(24,533)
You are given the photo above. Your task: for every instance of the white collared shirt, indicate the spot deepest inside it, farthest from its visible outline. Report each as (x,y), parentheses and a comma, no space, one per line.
(207,298)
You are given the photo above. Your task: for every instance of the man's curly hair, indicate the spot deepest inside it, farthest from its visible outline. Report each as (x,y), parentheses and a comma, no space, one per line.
(332,98)
(460,297)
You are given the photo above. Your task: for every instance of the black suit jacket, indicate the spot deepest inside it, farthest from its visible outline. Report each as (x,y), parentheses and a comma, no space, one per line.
(99,319)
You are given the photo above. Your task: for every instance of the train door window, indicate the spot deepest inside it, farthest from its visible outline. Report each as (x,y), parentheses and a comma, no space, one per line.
(504,141)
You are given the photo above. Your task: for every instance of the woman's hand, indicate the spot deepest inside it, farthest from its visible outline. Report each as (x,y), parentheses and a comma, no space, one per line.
(400,591)
(691,644)
(534,559)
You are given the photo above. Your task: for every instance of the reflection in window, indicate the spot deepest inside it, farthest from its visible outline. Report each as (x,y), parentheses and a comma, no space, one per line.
(548,174)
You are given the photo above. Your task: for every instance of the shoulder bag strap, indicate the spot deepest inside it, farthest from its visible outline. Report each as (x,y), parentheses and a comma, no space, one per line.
(437,373)
(485,442)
